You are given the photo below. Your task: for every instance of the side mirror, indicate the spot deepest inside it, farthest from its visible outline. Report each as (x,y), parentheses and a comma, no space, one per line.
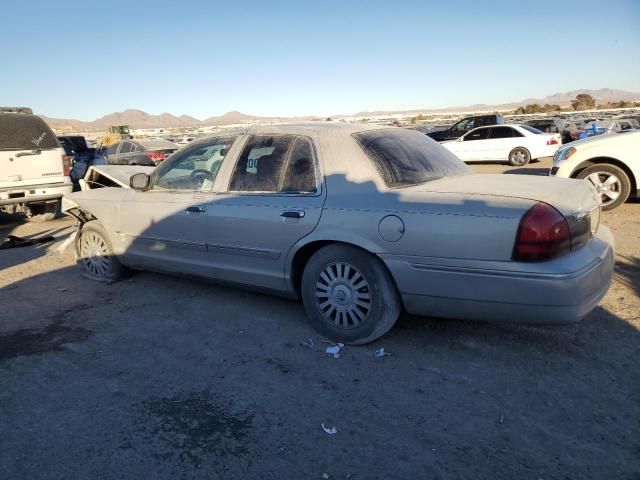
(139,182)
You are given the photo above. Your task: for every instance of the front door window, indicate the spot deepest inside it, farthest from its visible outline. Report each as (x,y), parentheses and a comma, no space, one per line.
(194,169)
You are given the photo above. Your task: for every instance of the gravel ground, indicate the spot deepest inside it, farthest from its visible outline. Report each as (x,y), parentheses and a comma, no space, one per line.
(168,378)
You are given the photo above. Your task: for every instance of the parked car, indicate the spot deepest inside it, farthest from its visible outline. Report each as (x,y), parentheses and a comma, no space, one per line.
(360,222)
(610,162)
(516,144)
(82,156)
(463,126)
(140,152)
(34,170)
(554,125)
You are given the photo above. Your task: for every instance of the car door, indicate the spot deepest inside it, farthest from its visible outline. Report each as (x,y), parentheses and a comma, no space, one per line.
(124,153)
(164,228)
(112,153)
(274,198)
(473,146)
(502,140)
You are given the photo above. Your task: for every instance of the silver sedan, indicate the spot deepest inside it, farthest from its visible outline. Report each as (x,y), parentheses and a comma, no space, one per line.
(358,221)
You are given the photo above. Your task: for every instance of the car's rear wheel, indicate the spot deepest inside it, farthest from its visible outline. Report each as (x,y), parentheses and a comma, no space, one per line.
(611,182)
(95,256)
(349,295)
(519,157)
(42,212)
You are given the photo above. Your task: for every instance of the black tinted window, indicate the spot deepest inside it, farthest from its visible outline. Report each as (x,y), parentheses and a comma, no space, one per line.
(19,131)
(504,132)
(260,164)
(480,134)
(405,157)
(125,147)
(300,173)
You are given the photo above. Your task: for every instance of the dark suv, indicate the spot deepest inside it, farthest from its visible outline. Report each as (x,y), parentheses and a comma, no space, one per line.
(463,126)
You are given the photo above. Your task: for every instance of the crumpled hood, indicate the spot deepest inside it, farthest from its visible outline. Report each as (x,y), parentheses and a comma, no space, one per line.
(568,196)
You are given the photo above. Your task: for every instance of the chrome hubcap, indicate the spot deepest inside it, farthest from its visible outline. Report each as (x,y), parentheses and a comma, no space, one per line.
(343,295)
(94,254)
(518,157)
(607,185)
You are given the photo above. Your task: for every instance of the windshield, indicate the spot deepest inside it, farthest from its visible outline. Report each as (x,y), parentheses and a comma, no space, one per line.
(406,157)
(19,131)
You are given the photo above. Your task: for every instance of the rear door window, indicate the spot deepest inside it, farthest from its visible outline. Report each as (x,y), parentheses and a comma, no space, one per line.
(261,163)
(19,131)
(504,132)
(300,171)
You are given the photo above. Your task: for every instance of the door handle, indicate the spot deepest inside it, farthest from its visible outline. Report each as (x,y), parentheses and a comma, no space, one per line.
(292,214)
(196,209)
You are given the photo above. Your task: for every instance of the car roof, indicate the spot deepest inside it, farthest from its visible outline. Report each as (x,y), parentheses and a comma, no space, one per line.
(314,128)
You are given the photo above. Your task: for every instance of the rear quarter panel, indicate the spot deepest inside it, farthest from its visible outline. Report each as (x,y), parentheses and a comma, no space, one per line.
(436,225)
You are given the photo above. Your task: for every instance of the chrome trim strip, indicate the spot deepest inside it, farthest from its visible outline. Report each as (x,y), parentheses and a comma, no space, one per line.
(271,254)
(506,273)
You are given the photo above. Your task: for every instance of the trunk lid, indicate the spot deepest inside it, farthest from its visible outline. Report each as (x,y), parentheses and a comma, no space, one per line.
(568,196)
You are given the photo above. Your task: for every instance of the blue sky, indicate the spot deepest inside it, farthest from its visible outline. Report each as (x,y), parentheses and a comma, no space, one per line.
(84,59)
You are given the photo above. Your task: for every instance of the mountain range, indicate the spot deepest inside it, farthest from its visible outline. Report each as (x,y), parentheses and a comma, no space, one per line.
(140,119)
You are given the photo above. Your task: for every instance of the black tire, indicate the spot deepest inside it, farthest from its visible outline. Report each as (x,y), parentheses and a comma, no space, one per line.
(519,157)
(43,212)
(357,324)
(94,255)
(620,183)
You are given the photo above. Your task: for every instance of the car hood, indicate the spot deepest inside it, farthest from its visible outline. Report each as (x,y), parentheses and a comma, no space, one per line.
(568,196)
(589,141)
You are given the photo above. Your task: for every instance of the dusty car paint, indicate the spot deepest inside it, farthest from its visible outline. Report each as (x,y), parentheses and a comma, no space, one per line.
(457,232)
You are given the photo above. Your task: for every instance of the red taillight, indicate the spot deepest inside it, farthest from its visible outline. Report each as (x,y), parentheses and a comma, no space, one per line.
(156,157)
(552,141)
(66,165)
(543,234)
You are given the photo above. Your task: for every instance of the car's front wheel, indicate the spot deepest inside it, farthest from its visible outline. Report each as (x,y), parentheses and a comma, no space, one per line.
(519,157)
(95,256)
(349,295)
(611,182)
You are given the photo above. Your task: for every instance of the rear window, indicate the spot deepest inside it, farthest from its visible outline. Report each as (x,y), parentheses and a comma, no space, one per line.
(405,157)
(19,131)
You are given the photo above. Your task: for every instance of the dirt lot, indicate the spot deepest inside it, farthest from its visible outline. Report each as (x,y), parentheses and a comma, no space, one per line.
(167,378)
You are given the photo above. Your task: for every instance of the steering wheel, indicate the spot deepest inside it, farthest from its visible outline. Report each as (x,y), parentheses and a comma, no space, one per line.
(200,171)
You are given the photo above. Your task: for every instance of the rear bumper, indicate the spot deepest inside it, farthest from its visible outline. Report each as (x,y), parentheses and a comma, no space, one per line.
(34,193)
(562,290)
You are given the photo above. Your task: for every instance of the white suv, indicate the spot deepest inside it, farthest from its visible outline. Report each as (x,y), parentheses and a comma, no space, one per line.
(34,170)
(610,162)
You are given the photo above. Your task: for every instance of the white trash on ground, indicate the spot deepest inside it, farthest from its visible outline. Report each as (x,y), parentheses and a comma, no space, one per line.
(330,430)
(334,350)
(381,353)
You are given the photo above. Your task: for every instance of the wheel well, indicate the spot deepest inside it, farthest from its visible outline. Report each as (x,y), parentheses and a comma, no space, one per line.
(303,255)
(611,161)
